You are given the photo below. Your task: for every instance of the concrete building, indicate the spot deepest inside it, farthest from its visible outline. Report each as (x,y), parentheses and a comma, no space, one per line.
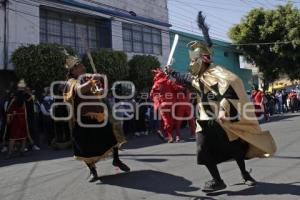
(121,25)
(257,76)
(224,54)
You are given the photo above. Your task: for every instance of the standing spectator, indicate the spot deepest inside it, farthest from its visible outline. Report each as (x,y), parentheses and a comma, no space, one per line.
(62,130)
(129,125)
(297,90)
(278,96)
(141,117)
(17,124)
(266,110)
(153,119)
(31,118)
(47,120)
(284,101)
(293,100)
(257,98)
(2,117)
(4,137)
(273,103)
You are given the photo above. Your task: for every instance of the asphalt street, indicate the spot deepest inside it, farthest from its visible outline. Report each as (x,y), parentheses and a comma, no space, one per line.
(160,171)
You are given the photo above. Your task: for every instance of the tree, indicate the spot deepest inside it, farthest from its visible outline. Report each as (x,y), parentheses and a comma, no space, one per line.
(140,74)
(40,65)
(111,63)
(278,31)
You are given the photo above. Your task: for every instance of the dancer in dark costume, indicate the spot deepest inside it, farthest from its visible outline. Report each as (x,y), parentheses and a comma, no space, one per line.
(91,144)
(227,127)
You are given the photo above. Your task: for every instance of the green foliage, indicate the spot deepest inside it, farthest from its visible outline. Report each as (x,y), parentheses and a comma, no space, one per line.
(267,26)
(140,74)
(41,64)
(109,62)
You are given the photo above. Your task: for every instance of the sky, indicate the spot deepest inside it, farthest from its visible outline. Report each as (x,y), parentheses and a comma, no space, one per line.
(221,15)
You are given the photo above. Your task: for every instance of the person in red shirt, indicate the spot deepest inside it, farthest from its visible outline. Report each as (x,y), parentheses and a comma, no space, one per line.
(293,99)
(257,98)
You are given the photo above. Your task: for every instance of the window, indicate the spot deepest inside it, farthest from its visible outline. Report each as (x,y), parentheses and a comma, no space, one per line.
(61,28)
(141,39)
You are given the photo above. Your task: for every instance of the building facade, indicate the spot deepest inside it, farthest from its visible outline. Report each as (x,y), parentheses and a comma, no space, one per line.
(141,28)
(224,54)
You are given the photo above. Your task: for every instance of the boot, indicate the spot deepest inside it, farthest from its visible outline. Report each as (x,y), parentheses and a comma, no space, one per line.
(214,185)
(248,179)
(93,174)
(121,165)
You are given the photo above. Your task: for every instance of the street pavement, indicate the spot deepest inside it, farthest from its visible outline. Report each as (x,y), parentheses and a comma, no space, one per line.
(160,171)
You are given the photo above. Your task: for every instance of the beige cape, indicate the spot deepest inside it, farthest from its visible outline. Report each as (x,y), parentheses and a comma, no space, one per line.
(247,128)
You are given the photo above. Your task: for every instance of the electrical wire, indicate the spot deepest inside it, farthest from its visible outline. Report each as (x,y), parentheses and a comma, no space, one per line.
(267,43)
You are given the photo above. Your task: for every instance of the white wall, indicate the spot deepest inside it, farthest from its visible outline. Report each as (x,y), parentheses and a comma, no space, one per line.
(23,26)
(1,37)
(165,47)
(155,9)
(23,22)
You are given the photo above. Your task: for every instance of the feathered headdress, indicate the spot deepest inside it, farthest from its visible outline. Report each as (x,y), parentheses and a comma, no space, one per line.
(198,48)
(204,28)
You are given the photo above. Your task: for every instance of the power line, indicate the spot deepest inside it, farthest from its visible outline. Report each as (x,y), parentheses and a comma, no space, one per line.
(262,43)
(194,24)
(177,14)
(194,21)
(224,21)
(118,17)
(266,43)
(229,3)
(245,2)
(193,30)
(209,6)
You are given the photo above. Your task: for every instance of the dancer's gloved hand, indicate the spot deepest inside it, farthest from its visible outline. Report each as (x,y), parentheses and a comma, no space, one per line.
(168,69)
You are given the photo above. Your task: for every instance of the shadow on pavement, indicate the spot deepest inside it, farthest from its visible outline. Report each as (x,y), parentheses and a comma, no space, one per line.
(283,117)
(157,155)
(285,157)
(263,188)
(153,139)
(153,181)
(33,156)
(152,160)
(142,141)
(47,153)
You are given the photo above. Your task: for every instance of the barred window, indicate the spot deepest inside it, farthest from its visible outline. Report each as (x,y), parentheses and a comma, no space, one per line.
(141,39)
(61,28)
